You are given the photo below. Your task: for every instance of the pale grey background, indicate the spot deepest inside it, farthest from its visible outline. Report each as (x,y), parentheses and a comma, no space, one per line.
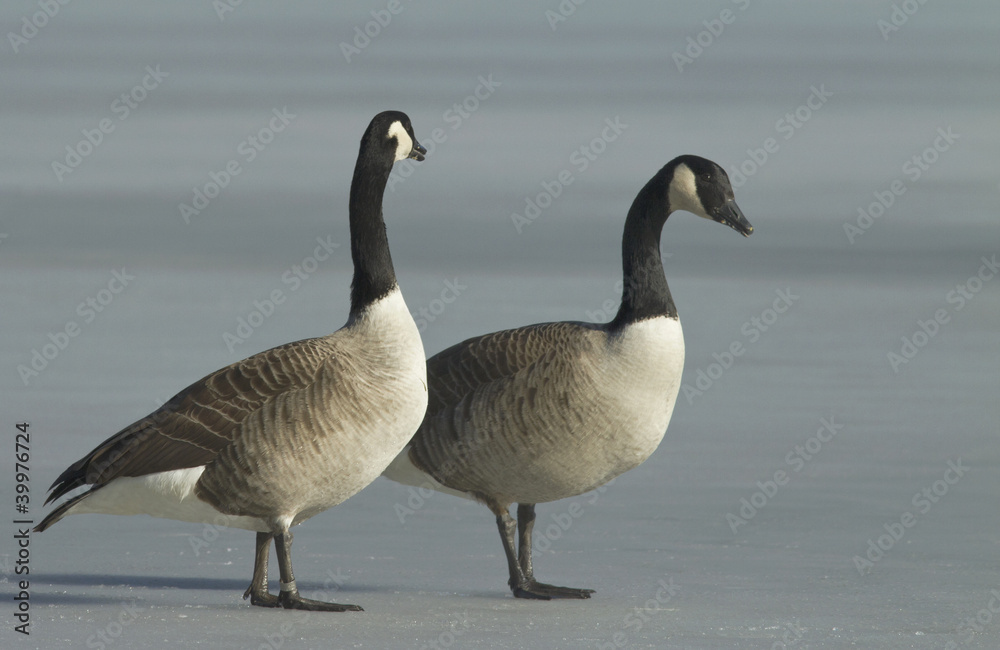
(786,577)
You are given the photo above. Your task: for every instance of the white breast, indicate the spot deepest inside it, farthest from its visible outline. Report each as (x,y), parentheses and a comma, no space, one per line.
(387,330)
(377,412)
(646,361)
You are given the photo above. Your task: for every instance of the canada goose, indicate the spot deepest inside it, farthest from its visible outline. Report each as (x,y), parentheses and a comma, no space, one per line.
(550,411)
(270,441)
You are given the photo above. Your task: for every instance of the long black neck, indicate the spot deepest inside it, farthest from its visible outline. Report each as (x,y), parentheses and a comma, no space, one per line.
(644,292)
(374,276)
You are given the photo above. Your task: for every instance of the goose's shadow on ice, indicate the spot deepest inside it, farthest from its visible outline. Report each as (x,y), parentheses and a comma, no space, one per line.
(43,586)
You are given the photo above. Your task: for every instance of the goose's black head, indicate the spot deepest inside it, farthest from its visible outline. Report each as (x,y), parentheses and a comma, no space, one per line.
(701,187)
(390,137)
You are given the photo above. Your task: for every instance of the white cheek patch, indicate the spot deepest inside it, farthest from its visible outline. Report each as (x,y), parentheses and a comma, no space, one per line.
(404,143)
(683,192)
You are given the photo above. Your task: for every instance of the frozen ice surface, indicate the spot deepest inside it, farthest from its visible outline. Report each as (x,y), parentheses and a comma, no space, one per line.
(806,494)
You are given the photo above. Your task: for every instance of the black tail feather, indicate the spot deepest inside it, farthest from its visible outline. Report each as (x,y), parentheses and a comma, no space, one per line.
(61,511)
(73,477)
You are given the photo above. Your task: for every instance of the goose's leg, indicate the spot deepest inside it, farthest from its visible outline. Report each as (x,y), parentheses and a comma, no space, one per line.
(522,582)
(257,591)
(507,527)
(525,524)
(289,597)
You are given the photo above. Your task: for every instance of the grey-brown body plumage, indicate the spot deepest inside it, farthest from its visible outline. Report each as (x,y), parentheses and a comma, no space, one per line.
(544,412)
(281,436)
